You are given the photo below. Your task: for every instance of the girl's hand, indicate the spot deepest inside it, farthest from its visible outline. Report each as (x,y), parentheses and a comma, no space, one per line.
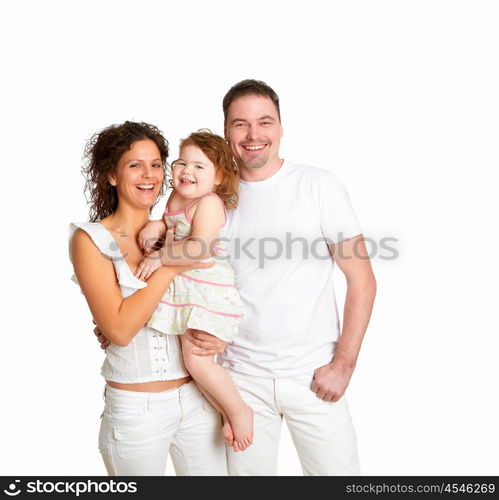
(151,236)
(150,263)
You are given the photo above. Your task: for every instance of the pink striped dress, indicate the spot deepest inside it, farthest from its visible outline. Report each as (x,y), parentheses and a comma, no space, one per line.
(201,299)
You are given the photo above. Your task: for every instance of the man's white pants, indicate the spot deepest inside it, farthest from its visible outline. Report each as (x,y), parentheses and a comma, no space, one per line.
(322,432)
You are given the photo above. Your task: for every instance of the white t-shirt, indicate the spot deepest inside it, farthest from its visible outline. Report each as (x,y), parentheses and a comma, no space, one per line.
(284,271)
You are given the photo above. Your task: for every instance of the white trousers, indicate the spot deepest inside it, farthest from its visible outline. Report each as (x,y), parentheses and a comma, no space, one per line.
(139,429)
(322,432)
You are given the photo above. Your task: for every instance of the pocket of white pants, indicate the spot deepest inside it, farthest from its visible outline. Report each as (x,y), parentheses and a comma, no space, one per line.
(209,408)
(136,437)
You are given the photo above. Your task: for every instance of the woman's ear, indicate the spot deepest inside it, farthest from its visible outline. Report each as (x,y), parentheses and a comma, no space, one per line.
(112,180)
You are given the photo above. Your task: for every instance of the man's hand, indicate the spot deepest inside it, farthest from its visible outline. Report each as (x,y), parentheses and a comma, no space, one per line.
(104,342)
(209,344)
(331,380)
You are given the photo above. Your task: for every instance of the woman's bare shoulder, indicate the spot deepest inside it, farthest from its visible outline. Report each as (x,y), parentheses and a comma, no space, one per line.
(83,246)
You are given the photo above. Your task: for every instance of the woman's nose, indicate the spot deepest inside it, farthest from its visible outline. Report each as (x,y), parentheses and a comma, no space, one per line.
(147,171)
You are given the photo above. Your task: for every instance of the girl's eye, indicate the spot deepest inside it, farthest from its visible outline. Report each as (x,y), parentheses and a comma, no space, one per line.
(199,166)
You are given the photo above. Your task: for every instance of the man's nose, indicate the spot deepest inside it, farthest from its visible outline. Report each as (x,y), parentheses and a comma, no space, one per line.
(251,132)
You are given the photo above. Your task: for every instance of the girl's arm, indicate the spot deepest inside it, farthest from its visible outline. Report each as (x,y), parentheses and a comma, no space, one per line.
(118,318)
(152,234)
(206,223)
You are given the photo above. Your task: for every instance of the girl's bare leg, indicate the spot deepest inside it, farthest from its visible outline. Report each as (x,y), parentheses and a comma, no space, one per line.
(217,382)
(226,427)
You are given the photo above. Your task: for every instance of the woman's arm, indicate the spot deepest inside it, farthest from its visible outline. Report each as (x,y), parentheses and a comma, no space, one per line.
(206,223)
(118,318)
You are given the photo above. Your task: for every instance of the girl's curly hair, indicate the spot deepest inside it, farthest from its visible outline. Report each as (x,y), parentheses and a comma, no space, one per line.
(102,154)
(226,164)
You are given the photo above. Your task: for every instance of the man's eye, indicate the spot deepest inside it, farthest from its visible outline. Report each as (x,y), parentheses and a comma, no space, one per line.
(265,123)
(239,125)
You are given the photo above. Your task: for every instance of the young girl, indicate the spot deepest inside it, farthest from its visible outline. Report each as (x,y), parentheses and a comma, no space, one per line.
(205,181)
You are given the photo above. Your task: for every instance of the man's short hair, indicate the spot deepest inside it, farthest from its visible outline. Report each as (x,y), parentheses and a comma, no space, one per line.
(250,87)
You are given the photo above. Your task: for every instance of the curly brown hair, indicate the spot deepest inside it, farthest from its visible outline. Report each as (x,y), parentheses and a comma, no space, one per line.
(102,154)
(226,164)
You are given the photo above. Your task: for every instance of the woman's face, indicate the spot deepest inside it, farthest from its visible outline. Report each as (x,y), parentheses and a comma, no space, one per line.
(139,174)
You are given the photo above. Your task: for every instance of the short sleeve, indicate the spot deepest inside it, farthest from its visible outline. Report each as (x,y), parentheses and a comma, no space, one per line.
(338,220)
(106,244)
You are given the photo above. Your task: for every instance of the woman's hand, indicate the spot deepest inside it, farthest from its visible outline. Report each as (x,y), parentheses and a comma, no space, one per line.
(190,267)
(104,341)
(153,261)
(209,344)
(152,236)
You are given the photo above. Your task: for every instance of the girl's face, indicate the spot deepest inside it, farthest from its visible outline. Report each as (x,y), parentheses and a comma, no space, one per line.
(194,174)
(139,175)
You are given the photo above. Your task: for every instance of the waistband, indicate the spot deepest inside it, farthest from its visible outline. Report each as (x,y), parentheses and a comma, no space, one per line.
(185,390)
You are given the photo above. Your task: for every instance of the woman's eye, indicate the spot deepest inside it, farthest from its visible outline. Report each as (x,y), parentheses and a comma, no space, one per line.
(134,165)
(157,165)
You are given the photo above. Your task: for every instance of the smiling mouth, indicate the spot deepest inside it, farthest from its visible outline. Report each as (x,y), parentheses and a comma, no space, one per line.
(186,182)
(257,147)
(145,187)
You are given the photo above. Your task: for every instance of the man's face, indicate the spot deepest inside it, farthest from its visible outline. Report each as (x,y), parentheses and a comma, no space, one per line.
(254,131)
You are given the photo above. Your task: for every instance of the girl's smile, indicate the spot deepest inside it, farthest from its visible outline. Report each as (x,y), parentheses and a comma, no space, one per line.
(194,174)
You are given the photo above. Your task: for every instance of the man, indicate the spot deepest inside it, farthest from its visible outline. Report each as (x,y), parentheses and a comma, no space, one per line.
(289,359)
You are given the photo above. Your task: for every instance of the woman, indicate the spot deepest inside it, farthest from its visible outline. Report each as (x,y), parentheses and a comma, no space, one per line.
(152,406)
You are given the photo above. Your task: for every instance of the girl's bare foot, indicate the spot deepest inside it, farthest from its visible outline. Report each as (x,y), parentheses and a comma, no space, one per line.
(242,428)
(227,431)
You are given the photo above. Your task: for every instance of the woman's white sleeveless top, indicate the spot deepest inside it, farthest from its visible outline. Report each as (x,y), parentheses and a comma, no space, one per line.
(150,355)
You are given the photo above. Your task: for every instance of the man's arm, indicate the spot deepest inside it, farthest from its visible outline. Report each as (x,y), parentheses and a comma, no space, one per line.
(331,380)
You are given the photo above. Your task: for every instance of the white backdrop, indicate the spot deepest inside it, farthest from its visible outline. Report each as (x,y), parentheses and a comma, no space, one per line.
(399,98)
